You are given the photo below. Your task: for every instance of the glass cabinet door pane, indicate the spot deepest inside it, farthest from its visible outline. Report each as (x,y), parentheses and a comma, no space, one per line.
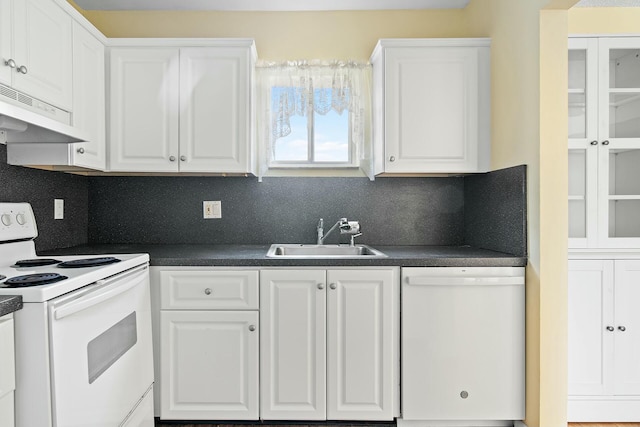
(624,172)
(624,93)
(624,192)
(624,68)
(624,218)
(577,193)
(577,91)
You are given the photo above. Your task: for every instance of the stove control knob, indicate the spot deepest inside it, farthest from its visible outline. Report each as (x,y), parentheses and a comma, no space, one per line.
(21,219)
(6,219)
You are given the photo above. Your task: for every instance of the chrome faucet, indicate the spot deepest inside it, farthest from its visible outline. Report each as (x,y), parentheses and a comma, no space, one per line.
(346,227)
(320,231)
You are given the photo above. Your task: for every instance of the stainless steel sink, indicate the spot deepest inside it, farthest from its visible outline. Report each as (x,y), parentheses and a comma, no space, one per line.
(322,251)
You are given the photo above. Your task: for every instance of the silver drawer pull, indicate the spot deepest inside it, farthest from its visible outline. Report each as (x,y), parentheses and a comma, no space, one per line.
(207,291)
(252,328)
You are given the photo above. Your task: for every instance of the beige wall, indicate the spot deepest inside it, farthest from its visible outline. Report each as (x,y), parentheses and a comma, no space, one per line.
(528,124)
(288,35)
(604,20)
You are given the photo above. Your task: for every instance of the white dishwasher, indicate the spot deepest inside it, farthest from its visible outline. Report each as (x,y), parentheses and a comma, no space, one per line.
(463,338)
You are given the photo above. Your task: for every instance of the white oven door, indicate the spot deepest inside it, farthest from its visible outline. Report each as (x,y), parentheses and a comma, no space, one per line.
(101,354)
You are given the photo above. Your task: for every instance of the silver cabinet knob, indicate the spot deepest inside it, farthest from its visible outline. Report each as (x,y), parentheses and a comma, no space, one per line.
(610,328)
(320,285)
(10,63)
(252,328)
(207,291)
(594,143)
(80,150)
(392,158)
(172,158)
(464,394)
(22,69)
(622,328)
(605,142)
(183,158)
(333,286)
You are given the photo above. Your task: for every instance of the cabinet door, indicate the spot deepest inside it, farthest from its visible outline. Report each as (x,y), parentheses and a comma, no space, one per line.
(6,30)
(209,365)
(361,344)
(43,45)
(292,345)
(432,109)
(590,346)
(627,328)
(143,129)
(583,142)
(88,99)
(215,109)
(619,137)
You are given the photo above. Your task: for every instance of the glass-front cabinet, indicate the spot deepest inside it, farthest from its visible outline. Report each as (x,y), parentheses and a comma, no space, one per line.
(604,142)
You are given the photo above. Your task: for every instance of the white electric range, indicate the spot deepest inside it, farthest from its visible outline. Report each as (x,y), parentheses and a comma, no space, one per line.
(83,338)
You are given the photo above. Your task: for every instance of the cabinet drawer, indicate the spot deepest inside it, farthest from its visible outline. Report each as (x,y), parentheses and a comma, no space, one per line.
(208,289)
(7,358)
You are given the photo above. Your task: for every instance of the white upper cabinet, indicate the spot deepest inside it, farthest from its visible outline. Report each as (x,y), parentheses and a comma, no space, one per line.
(431,105)
(182,109)
(36,56)
(6,33)
(604,142)
(215,126)
(88,115)
(143,105)
(88,99)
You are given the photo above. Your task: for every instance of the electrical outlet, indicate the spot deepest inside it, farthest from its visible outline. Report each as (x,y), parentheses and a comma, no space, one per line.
(58,208)
(211,209)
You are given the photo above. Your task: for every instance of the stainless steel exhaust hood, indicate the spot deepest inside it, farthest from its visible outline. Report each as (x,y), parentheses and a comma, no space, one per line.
(18,124)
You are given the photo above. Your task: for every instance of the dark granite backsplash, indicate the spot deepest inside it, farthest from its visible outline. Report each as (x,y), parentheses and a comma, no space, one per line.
(485,211)
(496,210)
(20,184)
(168,210)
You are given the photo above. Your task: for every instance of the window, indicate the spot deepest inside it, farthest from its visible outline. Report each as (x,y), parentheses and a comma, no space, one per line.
(314,138)
(312,114)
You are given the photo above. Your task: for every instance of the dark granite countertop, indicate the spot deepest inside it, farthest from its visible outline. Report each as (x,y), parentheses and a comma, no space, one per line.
(9,304)
(254,255)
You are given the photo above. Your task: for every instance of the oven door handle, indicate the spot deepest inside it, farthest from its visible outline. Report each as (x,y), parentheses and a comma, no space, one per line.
(109,289)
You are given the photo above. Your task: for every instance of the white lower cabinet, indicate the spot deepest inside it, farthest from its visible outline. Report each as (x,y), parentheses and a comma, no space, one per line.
(329,344)
(604,340)
(7,372)
(208,352)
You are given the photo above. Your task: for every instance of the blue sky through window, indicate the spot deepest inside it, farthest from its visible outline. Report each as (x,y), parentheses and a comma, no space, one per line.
(331,139)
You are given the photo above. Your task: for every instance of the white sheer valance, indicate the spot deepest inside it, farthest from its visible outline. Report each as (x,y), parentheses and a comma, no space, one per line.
(303,87)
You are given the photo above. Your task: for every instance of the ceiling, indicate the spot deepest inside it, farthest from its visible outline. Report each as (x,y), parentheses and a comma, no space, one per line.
(269,5)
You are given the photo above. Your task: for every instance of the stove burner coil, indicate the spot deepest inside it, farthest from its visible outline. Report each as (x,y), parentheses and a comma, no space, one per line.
(36,262)
(88,262)
(33,280)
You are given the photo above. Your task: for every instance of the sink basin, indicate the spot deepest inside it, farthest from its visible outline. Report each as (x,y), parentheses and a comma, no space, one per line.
(323,251)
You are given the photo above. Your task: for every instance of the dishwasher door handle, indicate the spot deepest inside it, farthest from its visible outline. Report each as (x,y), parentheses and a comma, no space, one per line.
(463,281)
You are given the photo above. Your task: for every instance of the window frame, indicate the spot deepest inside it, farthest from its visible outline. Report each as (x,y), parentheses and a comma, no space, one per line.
(311,163)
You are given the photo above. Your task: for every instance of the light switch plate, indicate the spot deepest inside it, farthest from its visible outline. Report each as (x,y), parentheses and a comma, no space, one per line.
(211,209)
(58,208)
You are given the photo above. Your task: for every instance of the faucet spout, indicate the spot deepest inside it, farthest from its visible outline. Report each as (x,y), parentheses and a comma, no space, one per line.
(341,222)
(320,231)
